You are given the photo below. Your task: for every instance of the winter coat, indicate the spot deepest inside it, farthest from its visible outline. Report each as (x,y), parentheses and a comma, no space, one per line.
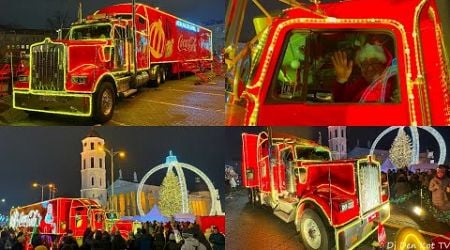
(439,193)
(145,242)
(192,244)
(172,245)
(218,241)
(118,243)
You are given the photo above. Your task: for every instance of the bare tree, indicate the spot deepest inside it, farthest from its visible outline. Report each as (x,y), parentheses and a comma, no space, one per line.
(59,20)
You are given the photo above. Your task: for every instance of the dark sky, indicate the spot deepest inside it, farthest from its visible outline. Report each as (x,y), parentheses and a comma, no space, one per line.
(34,13)
(52,154)
(363,134)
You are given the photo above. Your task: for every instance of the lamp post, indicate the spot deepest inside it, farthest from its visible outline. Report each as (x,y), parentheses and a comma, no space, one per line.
(113,153)
(50,186)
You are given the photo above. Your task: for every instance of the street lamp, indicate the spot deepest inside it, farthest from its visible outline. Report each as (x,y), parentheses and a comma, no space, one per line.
(113,153)
(50,186)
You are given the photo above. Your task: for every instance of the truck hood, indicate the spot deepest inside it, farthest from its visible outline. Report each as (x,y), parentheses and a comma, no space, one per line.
(81,53)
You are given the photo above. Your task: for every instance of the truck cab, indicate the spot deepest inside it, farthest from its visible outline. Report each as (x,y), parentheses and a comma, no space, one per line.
(331,202)
(286,75)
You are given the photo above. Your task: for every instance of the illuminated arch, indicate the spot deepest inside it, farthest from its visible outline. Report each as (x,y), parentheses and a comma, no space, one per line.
(415,142)
(171,162)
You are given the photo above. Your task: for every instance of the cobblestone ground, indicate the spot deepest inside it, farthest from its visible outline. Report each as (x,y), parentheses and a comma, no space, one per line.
(250,227)
(174,103)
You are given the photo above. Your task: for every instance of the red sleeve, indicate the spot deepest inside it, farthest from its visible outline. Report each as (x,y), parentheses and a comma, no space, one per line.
(349,91)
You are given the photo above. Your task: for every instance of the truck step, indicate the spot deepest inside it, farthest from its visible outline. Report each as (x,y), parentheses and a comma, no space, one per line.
(127,92)
(284,216)
(286,205)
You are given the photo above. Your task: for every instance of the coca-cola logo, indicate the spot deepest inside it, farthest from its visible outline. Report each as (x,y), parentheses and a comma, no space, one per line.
(20,219)
(187,44)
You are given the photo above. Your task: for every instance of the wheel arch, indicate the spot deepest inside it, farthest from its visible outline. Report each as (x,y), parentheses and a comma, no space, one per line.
(314,205)
(106,78)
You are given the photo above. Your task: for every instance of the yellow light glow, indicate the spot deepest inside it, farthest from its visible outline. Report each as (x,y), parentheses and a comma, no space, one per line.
(35,184)
(122,154)
(418,211)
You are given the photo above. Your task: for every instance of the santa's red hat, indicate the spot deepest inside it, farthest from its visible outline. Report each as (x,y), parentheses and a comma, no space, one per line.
(371,51)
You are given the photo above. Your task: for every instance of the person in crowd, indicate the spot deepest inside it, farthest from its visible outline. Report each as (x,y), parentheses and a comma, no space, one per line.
(217,239)
(118,242)
(68,241)
(131,243)
(172,244)
(376,83)
(191,243)
(159,241)
(401,186)
(145,242)
(439,186)
(97,243)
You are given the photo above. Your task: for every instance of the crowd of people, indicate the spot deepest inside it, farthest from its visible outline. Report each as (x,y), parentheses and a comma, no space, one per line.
(151,236)
(435,181)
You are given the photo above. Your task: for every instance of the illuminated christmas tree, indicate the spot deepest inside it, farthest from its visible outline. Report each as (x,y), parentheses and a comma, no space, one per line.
(170,195)
(401,150)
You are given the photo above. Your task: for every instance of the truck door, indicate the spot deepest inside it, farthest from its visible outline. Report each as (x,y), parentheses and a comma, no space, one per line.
(250,169)
(255,161)
(301,82)
(120,40)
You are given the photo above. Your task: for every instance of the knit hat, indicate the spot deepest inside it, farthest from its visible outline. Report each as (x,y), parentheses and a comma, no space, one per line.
(370,51)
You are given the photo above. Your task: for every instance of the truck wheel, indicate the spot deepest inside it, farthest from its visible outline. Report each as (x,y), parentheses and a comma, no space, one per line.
(313,231)
(251,196)
(158,79)
(163,75)
(104,100)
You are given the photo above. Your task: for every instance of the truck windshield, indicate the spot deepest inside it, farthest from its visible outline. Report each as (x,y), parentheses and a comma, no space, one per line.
(310,68)
(90,32)
(311,153)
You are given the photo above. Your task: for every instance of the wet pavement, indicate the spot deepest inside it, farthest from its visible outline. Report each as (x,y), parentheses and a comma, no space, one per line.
(256,227)
(175,103)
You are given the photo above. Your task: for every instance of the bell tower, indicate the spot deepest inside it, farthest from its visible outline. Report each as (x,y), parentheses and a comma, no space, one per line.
(93,172)
(337,141)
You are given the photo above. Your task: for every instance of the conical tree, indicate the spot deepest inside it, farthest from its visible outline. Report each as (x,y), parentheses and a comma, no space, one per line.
(170,195)
(401,150)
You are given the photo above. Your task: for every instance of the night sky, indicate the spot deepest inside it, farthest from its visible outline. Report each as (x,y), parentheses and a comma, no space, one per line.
(33,14)
(52,154)
(354,134)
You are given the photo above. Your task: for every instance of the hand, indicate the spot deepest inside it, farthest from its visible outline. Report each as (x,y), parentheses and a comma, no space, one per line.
(342,66)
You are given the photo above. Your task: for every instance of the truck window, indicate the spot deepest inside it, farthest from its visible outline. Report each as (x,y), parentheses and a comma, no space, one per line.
(251,59)
(310,153)
(346,66)
(91,32)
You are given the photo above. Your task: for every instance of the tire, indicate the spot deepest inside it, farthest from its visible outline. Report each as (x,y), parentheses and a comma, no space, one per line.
(314,233)
(163,75)
(158,79)
(251,196)
(104,102)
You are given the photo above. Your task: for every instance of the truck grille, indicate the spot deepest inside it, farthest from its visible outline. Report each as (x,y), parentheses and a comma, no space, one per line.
(369,186)
(47,67)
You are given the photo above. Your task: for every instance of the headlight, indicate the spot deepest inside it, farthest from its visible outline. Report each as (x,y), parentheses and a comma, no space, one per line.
(22,78)
(346,205)
(79,79)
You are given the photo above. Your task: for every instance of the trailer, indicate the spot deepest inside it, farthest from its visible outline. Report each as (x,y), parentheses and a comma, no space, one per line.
(108,55)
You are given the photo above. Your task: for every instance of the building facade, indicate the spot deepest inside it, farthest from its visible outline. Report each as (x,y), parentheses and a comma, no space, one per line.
(93,172)
(337,142)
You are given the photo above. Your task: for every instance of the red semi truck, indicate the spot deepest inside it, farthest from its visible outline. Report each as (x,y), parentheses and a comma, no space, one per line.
(52,219)
(332,202)
(107,56)
(285,74)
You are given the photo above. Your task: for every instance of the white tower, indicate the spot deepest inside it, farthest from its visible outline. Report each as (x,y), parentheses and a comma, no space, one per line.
(337,141)
(93,172)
